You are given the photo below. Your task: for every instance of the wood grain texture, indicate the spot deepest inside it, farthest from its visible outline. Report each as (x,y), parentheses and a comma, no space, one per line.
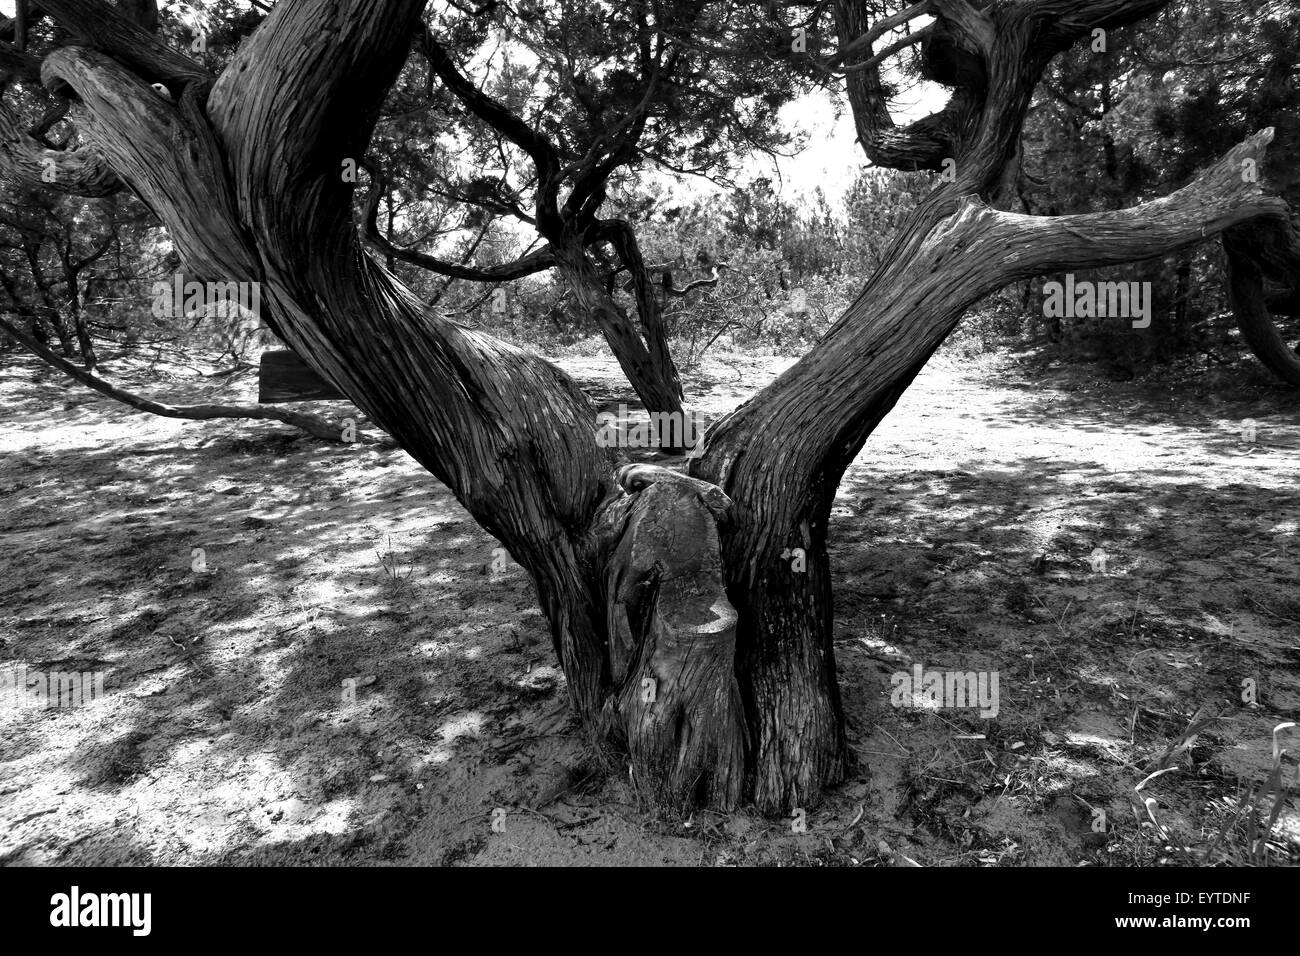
(83,171)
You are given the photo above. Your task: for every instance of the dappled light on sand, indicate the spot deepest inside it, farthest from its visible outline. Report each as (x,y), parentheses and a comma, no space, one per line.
(354,678)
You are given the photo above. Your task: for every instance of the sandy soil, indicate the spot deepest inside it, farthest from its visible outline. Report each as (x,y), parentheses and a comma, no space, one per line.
(357,677)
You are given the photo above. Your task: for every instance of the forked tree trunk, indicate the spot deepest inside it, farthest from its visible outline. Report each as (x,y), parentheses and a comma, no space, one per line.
(642,354)
(689,635)
(805,428)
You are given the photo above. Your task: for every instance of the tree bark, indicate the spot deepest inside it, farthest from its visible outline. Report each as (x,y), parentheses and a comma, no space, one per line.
(82,171)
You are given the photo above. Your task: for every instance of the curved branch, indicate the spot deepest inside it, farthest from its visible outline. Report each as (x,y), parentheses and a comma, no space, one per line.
(312,424)
(902,43)
(534,262)
(506,431)
(83,171)
(934,273)
(100,27)
(1221,197)
(174,163)
(1253,254)
(670,289)
(878,29)
(540,149)
(923,144)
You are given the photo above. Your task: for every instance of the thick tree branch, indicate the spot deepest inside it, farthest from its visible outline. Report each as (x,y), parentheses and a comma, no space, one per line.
(911,304)
(103,28)
(173,160)
(83,171)
(1065,21)
(1254,253)
(511,436)
(1221,197)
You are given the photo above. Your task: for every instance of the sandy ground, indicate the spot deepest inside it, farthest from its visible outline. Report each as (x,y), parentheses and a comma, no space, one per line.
(356,677)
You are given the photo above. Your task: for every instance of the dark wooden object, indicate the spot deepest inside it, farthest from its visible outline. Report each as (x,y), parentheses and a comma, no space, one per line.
(284,377)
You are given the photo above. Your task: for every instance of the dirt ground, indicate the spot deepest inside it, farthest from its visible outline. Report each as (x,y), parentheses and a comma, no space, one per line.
(358,678)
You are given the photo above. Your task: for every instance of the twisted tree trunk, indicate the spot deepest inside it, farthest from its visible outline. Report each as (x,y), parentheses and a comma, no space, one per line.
(689,637)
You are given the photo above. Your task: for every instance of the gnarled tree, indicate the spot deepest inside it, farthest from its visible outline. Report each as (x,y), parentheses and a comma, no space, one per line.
(686,638)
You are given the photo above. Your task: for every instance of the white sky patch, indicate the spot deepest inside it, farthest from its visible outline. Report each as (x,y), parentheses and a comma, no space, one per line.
(832,158)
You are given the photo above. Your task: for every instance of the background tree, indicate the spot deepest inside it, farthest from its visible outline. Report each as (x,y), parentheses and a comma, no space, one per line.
(553,105)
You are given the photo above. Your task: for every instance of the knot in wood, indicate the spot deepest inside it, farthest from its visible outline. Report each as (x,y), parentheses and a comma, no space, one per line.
(636,478)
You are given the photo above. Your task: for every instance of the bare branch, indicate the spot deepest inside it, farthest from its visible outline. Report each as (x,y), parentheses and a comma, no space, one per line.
(535,262)
(499,117)
(902,43)
(312,424)
(1219,198)
(690,287)
(878,30)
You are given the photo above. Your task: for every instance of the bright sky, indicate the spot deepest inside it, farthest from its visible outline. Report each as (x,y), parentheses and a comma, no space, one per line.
(832,158)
